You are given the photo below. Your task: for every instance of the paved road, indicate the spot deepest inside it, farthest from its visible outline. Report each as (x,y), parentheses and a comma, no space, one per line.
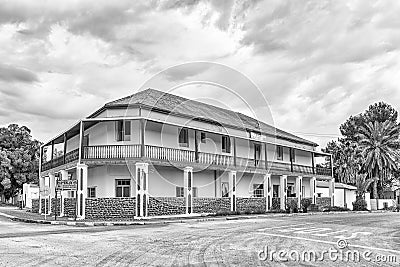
(226,243)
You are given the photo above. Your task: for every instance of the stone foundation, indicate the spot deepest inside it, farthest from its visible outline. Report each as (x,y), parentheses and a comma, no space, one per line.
(35,205)
(276,203)
(251,204)
(323,201)
(110,208)
(211,204)
(45,206)
(159,206)
(55,206)
(69,207)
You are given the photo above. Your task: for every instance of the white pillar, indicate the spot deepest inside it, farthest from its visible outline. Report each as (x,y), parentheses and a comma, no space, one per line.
(283,191)
(299,190)
(63,194)
(332,191)
(142,188)
(41,188)
(188,185)
(268,191)
(82,176)
(52,187)
(232,189)
(313,189)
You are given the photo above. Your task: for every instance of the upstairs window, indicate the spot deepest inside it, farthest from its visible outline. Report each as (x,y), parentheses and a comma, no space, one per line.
(258,190)
(123,130)
(226,144)
(279,152)
(293,154)
(183,138)
(203,137)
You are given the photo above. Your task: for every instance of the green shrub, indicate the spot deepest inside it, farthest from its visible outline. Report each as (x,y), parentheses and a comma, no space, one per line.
(291,205)
(360,205)
(305,204)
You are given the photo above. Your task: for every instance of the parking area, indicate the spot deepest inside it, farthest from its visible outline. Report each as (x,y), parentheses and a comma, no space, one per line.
(251,242)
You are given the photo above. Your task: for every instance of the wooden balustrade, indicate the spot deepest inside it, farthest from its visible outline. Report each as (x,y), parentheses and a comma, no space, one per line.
(178,155)
(111,152)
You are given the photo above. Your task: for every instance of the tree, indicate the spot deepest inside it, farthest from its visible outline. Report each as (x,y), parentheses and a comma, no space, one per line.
(379,141)
(346,160)
(362,184)
(19,156)
(379,112)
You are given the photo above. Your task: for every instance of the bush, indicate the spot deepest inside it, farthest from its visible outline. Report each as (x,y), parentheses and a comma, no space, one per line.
(291,205)
(305,204)
(335,208)
(360,205)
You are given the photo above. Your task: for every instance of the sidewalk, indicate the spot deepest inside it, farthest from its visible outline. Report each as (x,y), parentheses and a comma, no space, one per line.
(16,214)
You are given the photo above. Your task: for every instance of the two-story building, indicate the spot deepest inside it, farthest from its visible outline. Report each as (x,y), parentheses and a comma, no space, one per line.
(154,153)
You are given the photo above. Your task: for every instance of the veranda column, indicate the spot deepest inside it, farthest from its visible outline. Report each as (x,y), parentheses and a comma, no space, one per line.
(299,190)
(52,187)
(142,188)
(41,188)
(332,191)
(82,176)
(188,180)
(63,194)
(283,185)
(232,189)
(267,191)
(313,187)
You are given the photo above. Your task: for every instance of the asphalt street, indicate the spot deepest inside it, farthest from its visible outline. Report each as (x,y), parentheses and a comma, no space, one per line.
(369,239)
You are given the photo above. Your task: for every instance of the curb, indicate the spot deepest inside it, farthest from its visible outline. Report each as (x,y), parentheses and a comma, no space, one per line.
(193,219)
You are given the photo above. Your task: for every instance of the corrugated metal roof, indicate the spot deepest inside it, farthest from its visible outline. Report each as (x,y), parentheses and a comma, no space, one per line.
(176,104)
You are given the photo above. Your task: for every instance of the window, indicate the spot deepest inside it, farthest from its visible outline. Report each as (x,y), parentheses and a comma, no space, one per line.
(258,190)
(319,194)
(290,190)
(123,188)
(226,144)
(194,191)
(180,191)
(303,192)
(275,190)
(91,192)
(279,152)
(203,137)
(122,130)
(225,189)
(85,140)
(293,154)
(183,138)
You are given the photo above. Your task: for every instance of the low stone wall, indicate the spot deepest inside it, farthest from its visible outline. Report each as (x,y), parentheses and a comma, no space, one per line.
(45,206)
(35,205)
(69,207)
(276,203)
(323,201)
(253,204)
(159,206)
(110,208)
(55,206)
(211,204)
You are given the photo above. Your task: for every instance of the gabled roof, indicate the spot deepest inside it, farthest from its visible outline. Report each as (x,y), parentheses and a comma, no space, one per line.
(165,102)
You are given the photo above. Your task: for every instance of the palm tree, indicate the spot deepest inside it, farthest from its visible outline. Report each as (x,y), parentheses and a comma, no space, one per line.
(379,141)
(362,184)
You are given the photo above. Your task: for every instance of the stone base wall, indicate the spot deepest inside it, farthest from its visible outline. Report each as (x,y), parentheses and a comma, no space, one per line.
(35,205)
(323,201)
(253,204)
(159,206)
(55,206)
(211,204)
(110,208)
(45,206)
(69,207)
(276,203)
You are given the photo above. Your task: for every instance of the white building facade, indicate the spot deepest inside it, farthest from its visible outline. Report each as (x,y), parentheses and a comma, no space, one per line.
(156,154)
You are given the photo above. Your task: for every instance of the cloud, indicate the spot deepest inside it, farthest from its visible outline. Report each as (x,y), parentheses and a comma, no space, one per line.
(14,74)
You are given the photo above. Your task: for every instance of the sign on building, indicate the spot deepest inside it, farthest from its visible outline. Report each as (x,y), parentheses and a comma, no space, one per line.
(67,185)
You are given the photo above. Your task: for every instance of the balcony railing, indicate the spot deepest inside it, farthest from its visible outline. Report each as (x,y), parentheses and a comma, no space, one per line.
(179,155)
(69,157)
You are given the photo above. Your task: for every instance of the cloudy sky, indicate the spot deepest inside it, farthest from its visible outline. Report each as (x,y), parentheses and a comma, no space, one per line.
(315,62)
